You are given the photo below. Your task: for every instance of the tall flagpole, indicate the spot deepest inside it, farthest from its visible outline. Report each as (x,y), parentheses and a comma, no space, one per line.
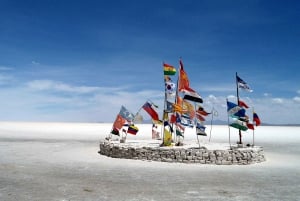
(228,127)
(238,100)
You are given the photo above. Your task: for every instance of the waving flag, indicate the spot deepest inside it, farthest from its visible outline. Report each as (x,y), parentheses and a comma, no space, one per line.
(149,109)
(242,84)
(190,94)
(183,81)
(132,129)
(256,119)
(235,110)
(169,70)
(126,114)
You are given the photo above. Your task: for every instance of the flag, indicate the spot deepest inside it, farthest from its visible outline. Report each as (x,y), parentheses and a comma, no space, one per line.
(201,111)
(239,125)
(132,129)
(119,122)
(235,110)
(115,131)
(170,88)
(256,119)
(183,80)
(200,129)
(149,109)
(167,138)
(179,132)
(169,70)
(126,114)
(190,94)
(242,84)
(243,104)
(189,107)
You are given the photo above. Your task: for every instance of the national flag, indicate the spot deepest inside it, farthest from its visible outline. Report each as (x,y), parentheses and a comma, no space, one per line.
(201,111)
(239,125)
(132,129)
(169,70)
(243,104)
(119,122)
(256,119)
(235,110)
(190,94)
(189,107)
(178,108)
(126,114)
(186,121)
(183,80)
(169,106)
(149,109)
(167,138)
(242,84)
(170,88)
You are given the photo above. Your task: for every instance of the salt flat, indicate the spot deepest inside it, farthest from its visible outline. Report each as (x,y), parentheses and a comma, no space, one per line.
(59,161)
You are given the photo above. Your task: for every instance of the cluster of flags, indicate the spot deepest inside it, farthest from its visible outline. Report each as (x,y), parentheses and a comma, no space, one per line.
(238,111)
(179,109)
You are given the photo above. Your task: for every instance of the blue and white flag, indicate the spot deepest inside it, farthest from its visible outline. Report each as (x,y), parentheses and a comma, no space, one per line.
(126,114)
(235,110)
(242,84)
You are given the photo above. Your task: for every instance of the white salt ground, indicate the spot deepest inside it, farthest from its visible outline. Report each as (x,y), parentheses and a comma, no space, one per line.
(59,161)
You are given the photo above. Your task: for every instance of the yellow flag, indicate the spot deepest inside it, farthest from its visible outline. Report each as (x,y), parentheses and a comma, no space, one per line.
(167,138)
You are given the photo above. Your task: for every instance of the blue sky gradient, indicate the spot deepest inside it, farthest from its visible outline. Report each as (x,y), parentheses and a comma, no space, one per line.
(81,60)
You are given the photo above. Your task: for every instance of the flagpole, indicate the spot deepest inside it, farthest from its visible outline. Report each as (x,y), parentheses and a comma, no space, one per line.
(212,117)
(238,99)
(253,126)
(228,127)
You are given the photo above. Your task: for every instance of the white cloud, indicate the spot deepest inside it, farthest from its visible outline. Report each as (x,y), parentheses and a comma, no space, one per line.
(298,92)
(277,100)
(50,85)
(297,99)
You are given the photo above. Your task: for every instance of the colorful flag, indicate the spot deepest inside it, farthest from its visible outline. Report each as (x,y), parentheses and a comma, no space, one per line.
(167,138)
(169,107)
(126,114)
(190,94)
(235,110)
(189,107)
(200,129)
(166,123)
(119,122)
(132,129)
(169,70)
(115,131)
(239,125)
(199,117)
(183,80)
(243,104)
(149,109)
(256,119)
(242,84)
(179,132)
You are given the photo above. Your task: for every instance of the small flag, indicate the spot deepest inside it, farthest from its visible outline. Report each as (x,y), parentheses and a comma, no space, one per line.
(149,109)
(201,111)
(190,94)
(242,84)
(132,129)
(256,119)
(250,126)
(170,88)
(115,131)
(169,70)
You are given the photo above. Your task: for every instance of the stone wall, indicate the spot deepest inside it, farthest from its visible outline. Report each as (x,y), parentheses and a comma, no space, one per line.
(233,156)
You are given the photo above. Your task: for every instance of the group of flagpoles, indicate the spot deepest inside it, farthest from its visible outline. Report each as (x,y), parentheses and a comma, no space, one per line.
(238,100)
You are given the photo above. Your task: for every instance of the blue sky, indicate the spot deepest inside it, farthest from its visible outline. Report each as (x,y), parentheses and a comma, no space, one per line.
(81,60)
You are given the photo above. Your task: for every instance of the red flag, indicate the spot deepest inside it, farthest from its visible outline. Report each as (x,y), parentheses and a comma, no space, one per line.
(183,81)
(148,108)
(202,111)
(119,122)
(132,129)
(243,104)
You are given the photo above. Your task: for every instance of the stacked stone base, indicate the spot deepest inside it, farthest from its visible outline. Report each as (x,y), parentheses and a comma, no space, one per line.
(231,156)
